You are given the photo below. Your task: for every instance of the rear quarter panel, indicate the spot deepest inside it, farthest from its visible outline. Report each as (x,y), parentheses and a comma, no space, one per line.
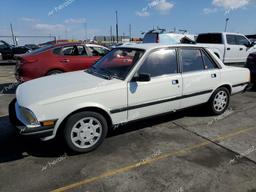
(236,77)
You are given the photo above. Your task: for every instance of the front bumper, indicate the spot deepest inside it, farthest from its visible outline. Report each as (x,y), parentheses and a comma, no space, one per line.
(39,132)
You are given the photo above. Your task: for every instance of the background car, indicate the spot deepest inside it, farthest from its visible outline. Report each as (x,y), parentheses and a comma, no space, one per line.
(160,36)
(230,48)
(55,59)
(31,46)
(251,65)
(8,51)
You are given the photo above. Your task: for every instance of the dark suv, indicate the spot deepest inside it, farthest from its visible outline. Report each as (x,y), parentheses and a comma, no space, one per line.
(251,65)
(8,51)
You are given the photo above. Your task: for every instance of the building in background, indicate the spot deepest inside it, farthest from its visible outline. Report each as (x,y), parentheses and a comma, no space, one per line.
(111,39)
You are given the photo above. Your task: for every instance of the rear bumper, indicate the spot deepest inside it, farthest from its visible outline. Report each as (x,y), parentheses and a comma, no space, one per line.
(39,132)
(248,87)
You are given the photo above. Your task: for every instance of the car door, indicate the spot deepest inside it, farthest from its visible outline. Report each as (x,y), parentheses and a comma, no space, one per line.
(232,50)
(76,57)
(200,76)
(161,93)
(244,45)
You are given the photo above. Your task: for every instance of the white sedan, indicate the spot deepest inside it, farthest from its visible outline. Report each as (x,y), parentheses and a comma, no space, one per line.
(129,83)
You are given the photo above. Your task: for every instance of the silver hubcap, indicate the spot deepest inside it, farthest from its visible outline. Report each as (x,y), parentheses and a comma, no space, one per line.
(220,101)
(86,132)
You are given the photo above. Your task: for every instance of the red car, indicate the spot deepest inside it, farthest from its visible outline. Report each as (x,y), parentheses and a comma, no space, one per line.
(56,59)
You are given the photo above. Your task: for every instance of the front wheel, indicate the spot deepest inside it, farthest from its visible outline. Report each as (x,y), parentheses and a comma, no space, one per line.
(219,101)
(85,131)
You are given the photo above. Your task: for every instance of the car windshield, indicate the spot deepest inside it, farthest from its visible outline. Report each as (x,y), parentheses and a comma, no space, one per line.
(117,63)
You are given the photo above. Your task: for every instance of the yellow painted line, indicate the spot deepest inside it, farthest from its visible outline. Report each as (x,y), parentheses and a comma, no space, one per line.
(185,150)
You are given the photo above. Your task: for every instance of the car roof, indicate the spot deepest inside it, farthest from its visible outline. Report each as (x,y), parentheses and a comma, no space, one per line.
(76,43)
(93,45)
(66,44)
(225,33)
(150,46)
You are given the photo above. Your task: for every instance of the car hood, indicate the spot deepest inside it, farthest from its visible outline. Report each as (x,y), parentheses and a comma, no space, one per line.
(61,87)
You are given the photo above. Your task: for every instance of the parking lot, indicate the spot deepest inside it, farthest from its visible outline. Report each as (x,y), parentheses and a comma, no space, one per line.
(185,151)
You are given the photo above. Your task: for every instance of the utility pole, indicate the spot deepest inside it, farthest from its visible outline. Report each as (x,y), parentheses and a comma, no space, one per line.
(85,31)
(130,31)
(111,34)
(66,34)
(226,25)
(13,38)
(116,26)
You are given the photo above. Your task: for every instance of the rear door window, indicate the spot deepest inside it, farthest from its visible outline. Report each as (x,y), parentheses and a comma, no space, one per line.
(74,50)
(191,60)
(231,39)
(213,38)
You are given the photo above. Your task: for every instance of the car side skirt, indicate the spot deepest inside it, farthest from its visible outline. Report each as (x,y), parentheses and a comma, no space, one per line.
(159,102)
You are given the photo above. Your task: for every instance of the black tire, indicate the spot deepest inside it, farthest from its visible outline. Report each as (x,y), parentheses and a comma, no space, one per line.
(74,120)
(212,101)
(54,72)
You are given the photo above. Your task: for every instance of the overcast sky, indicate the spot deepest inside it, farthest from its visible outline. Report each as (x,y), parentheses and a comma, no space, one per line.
(67,18)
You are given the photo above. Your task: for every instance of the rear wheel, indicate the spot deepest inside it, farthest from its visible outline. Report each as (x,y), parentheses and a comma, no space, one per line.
(85,131)
(54,72)
(219,101)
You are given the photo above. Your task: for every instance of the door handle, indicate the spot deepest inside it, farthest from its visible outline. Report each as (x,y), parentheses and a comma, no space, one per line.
(175,82)
(241,49)
(65,60)
(213,75)
(228,48)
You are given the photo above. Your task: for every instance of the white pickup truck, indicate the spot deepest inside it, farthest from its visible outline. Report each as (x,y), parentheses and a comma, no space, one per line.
(229,47)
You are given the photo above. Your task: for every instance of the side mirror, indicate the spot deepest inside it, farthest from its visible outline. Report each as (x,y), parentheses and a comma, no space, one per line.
(250,44)
(253,43)
(142,77)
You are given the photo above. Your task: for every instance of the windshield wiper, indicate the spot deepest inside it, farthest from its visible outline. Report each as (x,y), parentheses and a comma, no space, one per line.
(116,76)
(111,75)
(92,70)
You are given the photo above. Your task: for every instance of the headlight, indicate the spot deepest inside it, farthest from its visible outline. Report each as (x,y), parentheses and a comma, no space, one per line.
(28,118)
